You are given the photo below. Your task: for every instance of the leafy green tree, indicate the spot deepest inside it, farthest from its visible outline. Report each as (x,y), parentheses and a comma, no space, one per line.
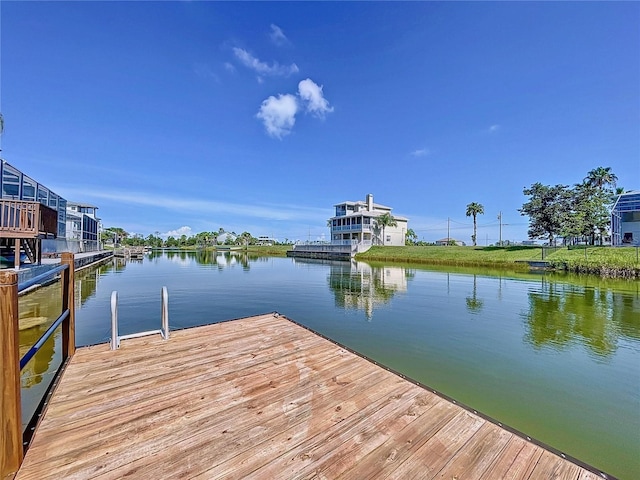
(547,210)
(385,220)
(410,237)
(474,209)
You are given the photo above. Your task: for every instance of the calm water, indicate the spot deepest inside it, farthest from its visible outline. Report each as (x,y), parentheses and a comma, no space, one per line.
(556,357)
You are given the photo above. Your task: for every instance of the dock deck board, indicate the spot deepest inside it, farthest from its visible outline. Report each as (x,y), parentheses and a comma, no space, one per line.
(263,398)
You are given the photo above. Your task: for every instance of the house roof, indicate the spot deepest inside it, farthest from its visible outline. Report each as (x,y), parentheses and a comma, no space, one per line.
(363,204)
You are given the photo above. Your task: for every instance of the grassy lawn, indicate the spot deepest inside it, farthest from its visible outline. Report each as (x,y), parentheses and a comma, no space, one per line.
(599,260)
(454,255)
(272,250)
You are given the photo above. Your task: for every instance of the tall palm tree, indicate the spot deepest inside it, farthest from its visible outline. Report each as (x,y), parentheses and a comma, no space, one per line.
(474,209)
(601,177)
(386,220)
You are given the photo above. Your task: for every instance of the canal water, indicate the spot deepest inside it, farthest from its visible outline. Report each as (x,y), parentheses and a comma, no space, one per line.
(554,356)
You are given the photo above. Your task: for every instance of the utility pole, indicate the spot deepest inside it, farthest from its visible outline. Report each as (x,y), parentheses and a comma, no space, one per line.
(500,219)
(448,230)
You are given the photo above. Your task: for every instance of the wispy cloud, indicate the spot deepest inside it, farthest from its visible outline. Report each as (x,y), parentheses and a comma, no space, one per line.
(278,114)
(421,152)
(203,70)
(229,67)
(263,68)
(149,199)
(277,36)
(493,128)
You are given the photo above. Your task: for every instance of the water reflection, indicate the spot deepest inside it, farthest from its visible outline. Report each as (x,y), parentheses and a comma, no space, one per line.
(218,258)
(37,311)
(361,286)
(474,304)
(562,314)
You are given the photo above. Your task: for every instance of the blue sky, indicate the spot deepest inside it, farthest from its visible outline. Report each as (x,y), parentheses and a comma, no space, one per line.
(181,117)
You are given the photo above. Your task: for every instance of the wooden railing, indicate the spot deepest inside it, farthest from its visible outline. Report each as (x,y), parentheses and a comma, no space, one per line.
(11,435)
(24,219)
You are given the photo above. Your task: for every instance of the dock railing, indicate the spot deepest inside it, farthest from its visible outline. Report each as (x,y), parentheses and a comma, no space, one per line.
(11,435)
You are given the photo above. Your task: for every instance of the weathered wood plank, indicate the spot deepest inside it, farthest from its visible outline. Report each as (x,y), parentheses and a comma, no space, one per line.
(262,398)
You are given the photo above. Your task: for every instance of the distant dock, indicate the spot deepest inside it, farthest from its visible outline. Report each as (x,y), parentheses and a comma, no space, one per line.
(264,398)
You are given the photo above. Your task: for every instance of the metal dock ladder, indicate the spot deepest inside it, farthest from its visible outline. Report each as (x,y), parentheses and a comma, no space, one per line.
(164,330)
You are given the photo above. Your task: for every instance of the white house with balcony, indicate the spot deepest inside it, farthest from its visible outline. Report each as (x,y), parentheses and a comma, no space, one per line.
(357,222)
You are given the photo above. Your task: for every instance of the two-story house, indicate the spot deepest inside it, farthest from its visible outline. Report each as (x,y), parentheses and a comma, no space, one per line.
(359,222)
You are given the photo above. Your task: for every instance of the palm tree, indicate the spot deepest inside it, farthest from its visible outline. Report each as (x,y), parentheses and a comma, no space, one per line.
(601,177)
(385,220)
(474,209)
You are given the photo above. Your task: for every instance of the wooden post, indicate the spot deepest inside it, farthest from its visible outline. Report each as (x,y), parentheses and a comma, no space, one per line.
(68,301)
(16,259)
(11,452)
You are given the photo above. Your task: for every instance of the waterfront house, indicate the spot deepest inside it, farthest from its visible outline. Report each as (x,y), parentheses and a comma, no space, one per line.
(357,222)
(625,219)
(83,226)
(30,215)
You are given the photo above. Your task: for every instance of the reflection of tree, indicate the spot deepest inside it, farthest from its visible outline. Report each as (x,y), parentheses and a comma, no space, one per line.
(474,304)
(561,313)
(223,259)
(363,287)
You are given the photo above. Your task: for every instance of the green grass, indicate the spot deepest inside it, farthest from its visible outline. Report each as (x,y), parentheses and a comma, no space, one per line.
(606,261)
(271,250)
(465,256)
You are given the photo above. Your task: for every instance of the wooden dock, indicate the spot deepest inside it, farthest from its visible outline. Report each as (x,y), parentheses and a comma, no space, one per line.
(263,398)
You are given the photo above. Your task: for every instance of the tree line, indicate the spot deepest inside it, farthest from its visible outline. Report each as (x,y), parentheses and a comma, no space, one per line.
(117,235)
(581,213)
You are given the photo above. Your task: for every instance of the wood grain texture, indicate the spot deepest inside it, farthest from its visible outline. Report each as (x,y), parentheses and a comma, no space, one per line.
(263,398)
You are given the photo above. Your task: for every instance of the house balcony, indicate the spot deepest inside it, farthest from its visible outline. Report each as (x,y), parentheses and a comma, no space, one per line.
(352,228)
(23,219)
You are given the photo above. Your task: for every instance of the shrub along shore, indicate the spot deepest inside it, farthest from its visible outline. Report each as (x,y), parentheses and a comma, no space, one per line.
(619,262)
(603,261)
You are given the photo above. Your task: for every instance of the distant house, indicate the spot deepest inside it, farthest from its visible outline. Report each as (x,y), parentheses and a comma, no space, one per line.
(83,226)
(625,219)
(450,241)
(265,240)
(356,222)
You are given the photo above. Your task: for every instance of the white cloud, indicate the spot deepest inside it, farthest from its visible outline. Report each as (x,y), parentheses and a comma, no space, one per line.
(494,128)
(313,98)
(421,152)
(277,36)
(263,68)
(210,208)
(279,114)
(178,233)
(229,67)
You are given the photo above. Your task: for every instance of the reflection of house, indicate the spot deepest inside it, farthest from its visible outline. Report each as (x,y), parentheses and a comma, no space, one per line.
(450,241)
(359,286)
(625,219)
(83,226)
(358,222)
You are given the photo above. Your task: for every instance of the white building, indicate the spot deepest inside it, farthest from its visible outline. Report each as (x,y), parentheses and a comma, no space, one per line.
(83,226)
(625,219)
(358,222)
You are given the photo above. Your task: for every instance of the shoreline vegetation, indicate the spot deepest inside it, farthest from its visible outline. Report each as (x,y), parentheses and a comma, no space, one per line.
(619,262)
